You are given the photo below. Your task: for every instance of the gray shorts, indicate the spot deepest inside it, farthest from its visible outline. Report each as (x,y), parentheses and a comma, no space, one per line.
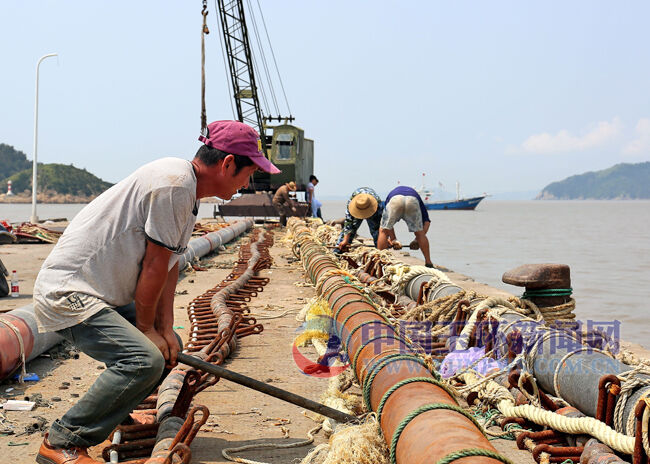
(402,207)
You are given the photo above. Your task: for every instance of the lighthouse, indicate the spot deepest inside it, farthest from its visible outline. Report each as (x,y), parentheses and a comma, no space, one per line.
(9,192)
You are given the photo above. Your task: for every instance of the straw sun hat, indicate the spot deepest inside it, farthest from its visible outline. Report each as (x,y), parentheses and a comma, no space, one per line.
(362,206)
(292,186)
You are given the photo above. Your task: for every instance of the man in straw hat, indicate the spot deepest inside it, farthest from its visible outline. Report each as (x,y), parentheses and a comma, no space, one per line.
(404,203)
(283,202)
(364,203)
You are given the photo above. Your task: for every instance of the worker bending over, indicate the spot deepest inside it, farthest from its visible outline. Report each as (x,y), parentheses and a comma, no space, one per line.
(404,203)
(283,203)
(125,246)
(364,203)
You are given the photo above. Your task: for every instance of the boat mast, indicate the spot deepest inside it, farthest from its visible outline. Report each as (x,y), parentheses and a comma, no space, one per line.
(457,190)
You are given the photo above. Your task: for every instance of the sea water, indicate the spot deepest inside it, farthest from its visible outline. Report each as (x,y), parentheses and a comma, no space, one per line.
(606,244)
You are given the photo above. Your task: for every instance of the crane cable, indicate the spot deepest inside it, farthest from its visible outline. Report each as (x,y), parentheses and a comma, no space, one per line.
(204,31)
(256,37)
(262,55)
(277,69)
(224,53)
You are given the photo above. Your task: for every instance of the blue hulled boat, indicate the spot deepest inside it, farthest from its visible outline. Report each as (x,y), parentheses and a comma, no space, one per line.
(462,203)
(457,204)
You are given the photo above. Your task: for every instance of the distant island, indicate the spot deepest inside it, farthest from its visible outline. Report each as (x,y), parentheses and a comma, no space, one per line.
(623,181)
(57,183)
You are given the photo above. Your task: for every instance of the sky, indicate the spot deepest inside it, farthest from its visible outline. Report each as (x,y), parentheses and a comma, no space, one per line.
(501,96)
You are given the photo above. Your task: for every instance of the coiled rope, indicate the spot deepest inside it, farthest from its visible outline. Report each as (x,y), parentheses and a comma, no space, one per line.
(630,381)
(262,446)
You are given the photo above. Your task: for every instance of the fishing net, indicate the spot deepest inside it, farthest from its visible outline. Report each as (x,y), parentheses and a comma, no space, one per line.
(353,444)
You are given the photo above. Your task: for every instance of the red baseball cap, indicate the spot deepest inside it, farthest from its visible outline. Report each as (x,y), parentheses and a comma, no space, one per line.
(237,138)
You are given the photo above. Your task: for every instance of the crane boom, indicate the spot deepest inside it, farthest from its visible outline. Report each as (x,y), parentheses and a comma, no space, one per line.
(284,144)
(240,62)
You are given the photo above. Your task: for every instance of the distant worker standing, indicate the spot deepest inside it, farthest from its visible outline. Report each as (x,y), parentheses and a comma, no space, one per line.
(404,203)
(283,203)
(311,198)
(364,203)
(108,284)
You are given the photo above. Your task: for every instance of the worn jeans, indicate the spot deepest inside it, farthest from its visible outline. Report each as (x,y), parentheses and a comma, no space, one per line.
(134,368)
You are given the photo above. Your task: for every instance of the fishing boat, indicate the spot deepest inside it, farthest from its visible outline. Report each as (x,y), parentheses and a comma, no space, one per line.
(462,203)
(457,204)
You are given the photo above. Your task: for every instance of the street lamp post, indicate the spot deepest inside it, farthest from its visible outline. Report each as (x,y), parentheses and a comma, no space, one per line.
(34,218)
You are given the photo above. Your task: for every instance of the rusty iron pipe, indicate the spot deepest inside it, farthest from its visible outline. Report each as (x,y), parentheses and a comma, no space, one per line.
(429,436)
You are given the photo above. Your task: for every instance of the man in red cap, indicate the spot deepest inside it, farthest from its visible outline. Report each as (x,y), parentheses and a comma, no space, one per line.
(108,285)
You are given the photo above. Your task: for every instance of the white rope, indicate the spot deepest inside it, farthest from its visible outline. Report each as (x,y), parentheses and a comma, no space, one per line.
(260,317)
(261,446)
(500,395)
(582,425)
(497,305)
(401,274)
(483,380)
(556,374)
(630,380)
(573,425)
(21,344)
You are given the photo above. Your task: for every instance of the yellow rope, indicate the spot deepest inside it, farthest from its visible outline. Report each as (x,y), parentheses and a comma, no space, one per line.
(330,273)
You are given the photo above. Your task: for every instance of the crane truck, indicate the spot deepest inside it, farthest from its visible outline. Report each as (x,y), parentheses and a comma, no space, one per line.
(284,143)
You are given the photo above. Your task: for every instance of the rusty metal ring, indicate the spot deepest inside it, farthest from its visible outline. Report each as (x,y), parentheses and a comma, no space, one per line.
(347,339)
(359,312)
(373,339)
(345,303)
(180,450)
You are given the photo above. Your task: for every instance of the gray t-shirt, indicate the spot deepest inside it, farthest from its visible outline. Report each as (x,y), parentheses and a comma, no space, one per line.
(97,261)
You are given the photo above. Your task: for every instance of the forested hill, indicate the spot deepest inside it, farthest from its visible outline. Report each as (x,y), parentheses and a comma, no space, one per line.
(623,181)
(53,179)
(12,161)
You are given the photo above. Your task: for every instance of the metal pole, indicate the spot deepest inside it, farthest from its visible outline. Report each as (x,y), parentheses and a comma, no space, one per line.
(265,388)
(34,218)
